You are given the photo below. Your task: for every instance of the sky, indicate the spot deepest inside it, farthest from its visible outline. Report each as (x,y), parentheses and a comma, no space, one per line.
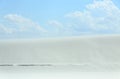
(58,18)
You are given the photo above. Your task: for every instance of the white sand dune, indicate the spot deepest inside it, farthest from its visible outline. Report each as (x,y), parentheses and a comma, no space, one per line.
(88,52)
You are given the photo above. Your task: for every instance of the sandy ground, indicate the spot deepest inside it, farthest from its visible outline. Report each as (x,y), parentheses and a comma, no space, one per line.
(53,73)
(87,57)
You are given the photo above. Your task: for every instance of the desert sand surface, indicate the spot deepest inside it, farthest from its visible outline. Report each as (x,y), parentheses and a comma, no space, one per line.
(84,53)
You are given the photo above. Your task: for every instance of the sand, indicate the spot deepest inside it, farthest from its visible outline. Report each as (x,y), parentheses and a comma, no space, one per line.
(85,53)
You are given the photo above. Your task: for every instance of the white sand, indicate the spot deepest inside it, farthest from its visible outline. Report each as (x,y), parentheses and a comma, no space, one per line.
(89,53)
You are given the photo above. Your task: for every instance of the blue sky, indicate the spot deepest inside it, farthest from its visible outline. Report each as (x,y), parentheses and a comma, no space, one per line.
(51,18)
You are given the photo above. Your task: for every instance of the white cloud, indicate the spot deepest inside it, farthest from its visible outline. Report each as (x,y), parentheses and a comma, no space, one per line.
(55,23)
(4,29)
(101,15)
(55,28)
(23,24)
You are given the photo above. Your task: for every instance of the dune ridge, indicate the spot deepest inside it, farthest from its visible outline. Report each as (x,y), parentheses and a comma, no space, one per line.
(84,51)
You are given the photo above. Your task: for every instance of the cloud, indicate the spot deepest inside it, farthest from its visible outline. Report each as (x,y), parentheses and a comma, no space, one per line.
(55,23)
(22,23)
(58,28)
(101,15)
(55,26)
(6,30)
